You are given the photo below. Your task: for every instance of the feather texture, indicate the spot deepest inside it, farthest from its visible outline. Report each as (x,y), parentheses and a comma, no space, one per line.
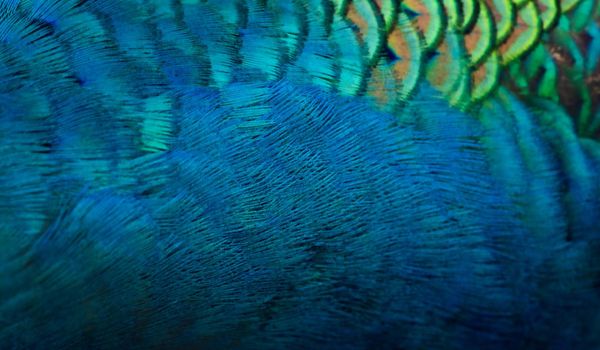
(299,174)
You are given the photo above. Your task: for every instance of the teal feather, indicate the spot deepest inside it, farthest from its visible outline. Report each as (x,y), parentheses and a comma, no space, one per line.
(257,175)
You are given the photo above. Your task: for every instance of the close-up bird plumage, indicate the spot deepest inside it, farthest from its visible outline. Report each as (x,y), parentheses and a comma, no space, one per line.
(300,174)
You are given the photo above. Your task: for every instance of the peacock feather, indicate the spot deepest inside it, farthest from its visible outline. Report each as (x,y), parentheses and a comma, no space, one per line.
(299,174)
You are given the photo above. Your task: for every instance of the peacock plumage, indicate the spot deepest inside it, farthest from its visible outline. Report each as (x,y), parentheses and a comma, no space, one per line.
(299,174)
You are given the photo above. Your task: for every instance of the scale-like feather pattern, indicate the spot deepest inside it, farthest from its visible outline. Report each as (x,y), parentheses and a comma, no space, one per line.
(305,174)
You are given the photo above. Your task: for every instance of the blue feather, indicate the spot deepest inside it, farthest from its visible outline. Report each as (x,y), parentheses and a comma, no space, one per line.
(215,175)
